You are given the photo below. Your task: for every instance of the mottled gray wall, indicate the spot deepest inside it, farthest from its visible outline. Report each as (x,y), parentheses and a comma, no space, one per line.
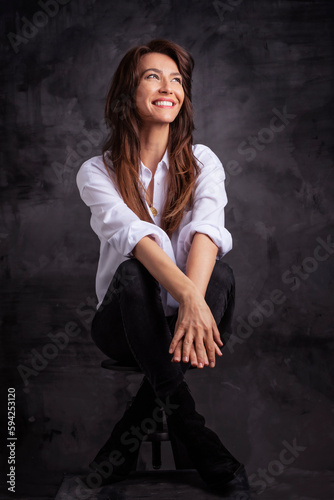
(263,102)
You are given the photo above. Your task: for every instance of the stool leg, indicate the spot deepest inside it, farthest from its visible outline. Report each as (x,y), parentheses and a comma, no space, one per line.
(156,454)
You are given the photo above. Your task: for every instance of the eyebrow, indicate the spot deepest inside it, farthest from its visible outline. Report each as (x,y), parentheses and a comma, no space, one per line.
(159,71)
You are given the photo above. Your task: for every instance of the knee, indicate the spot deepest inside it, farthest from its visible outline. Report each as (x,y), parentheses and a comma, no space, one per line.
(223,274)
(132,267)
(132,277)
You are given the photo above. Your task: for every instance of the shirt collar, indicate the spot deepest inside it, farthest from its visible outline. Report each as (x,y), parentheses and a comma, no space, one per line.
(164,160)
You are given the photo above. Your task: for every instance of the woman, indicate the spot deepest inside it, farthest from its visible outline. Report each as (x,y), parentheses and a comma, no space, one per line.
(157,205)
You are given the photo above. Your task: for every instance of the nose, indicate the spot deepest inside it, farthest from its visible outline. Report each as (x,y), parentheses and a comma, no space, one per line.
(165,87)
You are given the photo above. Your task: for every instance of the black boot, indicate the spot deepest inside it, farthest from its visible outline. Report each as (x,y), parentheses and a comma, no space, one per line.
(119,454)
(215,464)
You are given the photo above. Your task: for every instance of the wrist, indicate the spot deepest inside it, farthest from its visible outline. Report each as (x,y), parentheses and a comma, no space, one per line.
(187,291)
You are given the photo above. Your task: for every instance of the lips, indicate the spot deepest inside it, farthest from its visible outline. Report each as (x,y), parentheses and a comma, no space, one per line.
(164,103)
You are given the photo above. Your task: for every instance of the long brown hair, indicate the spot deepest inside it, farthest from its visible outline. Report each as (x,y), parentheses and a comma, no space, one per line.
(123,146)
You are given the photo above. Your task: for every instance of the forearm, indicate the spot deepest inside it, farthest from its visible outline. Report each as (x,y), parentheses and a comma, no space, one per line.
(201,261)
(163,269)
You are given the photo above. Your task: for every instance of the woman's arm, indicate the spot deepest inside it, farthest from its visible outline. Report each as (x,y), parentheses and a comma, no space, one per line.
(196,324)
(204,237)
(201,261)
(162,268)
(200,264)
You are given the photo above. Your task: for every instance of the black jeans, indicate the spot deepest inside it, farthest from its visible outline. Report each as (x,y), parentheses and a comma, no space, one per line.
(130,325)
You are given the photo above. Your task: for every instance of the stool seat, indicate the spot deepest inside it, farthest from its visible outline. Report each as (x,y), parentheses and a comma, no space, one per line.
(112,364)
(118,366)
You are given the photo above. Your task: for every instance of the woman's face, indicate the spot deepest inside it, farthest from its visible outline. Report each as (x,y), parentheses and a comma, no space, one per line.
(160,93)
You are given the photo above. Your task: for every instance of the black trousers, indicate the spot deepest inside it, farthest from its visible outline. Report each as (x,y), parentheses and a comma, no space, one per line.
(130,325)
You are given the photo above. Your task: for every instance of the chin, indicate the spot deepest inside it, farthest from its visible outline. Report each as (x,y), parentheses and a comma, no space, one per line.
(166,119)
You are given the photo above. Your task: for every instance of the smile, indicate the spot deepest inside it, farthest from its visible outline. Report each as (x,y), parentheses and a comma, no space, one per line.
(168,104)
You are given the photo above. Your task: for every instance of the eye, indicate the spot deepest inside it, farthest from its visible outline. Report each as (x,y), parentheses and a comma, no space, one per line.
(177,79)
(152,74)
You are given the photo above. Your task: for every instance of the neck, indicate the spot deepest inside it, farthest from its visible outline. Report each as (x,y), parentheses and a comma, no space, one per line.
(153,144)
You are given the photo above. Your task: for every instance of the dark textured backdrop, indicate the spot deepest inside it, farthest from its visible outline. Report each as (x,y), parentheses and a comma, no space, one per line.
(263,102)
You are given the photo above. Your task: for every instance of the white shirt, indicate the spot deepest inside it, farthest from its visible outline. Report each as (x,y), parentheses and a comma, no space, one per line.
(119,228)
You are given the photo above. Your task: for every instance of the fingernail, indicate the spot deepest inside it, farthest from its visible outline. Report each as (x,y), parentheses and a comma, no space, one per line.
(185,359)
(200,365)
(170,350)
(212,364)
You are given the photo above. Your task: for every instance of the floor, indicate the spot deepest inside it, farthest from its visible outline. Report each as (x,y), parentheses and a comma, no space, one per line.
(293,484)
(162,485)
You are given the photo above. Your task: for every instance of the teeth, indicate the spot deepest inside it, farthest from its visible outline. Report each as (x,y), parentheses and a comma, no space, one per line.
(163,103)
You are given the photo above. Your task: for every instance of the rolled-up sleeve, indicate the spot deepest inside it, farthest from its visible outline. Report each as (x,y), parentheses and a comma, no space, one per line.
(207,215)
(111,218)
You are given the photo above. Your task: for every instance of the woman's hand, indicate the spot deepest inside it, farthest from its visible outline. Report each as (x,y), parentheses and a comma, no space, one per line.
(192,357)
(196,336)
(196,329)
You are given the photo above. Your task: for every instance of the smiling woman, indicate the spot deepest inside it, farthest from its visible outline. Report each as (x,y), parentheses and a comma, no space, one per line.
(154,82)
(141,129)
(165,297)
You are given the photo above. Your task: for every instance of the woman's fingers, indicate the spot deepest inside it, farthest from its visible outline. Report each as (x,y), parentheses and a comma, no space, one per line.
(193,357)
(217,349)
(200,352)
(204,346)
(186,348)
(179,333)
(196,338)
(216,335)
(210,351)
(178,352)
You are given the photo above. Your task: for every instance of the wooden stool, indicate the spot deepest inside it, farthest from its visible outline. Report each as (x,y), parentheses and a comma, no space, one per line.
(181,458)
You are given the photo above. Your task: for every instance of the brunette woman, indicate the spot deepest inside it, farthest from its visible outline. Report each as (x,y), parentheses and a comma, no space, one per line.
(165,296)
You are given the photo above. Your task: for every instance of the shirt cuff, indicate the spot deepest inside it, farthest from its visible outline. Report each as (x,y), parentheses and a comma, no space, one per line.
(126,242)
(220,236)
